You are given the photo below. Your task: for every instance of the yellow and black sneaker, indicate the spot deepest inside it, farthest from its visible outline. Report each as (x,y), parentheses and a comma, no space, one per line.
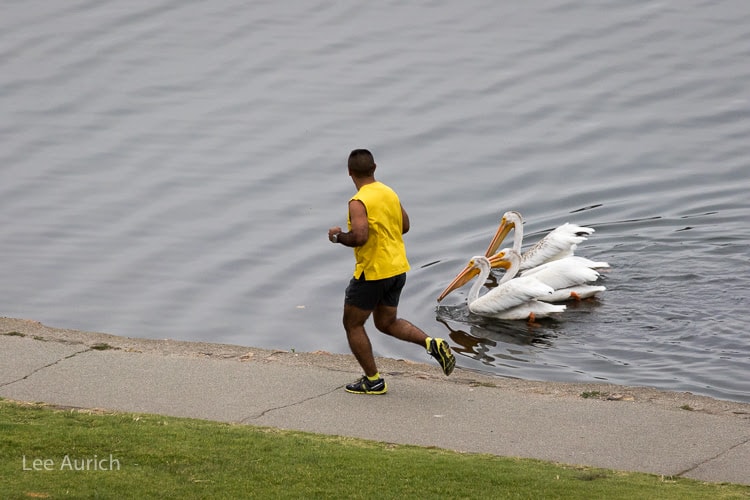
(366,386)
(439,349)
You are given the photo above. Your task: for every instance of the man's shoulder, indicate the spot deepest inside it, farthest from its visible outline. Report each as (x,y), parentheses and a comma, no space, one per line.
(374,187)
(382,187)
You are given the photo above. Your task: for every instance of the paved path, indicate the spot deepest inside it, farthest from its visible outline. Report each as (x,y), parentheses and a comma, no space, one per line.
(623,428)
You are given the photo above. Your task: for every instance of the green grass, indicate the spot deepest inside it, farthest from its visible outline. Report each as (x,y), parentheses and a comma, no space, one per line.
(164,457)
(592,394)
(14,334)
(101,346)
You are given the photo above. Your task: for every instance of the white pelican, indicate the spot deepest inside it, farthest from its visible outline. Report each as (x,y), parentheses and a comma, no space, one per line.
(569,276)
(513,298)
(559,243)
(567,279)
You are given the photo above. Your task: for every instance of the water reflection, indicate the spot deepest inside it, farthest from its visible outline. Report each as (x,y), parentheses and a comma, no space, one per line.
(504,343)
(494,342)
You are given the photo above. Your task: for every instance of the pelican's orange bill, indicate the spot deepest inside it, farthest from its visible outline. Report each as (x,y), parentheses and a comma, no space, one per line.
(502,232)
(468,273)
(471,271)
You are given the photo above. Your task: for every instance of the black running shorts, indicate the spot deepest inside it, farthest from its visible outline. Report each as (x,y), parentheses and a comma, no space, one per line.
(368,294)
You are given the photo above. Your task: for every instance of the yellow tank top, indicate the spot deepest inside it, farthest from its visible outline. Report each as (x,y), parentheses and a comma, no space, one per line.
(384,254)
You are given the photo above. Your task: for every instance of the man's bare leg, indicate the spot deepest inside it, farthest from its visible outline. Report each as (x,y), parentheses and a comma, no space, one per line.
(359,342)
(387,321)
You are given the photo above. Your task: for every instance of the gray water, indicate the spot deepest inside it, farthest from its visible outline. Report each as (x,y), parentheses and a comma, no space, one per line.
(169,169)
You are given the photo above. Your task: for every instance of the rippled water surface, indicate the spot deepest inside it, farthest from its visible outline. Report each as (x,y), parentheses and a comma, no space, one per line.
(170,169)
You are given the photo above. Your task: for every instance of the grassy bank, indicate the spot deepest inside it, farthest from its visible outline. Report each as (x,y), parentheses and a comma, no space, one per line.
(53,453)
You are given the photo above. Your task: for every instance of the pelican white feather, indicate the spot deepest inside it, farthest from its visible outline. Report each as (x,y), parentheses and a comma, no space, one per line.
(513,298)
(560,243)
(556,281)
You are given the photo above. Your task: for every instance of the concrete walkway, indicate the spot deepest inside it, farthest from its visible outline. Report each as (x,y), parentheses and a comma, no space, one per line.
(622,428)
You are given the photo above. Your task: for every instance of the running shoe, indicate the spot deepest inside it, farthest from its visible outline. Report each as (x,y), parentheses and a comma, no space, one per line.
(365,386)
(440,350)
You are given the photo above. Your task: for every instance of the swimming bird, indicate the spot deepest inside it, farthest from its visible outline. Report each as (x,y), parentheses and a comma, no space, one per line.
(513,298)
(559,243)
(568,277)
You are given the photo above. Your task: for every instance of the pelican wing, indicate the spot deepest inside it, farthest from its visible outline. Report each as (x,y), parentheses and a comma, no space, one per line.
(593,264)
(558,244)
(563,273)
(573,293)
(508,295)
(537,308)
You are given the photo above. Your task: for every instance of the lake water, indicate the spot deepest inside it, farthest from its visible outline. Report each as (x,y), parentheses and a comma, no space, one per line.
(169,169)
